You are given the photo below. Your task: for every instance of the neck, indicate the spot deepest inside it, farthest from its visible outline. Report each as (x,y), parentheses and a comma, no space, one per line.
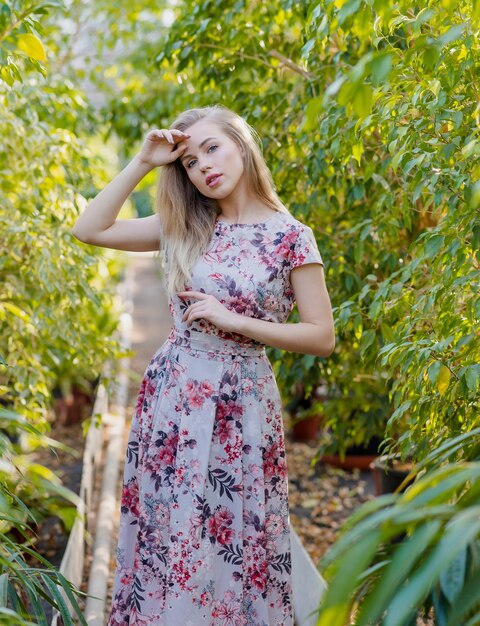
(242,207)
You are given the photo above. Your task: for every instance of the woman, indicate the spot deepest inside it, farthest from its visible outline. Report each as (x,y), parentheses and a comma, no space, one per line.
(204,531)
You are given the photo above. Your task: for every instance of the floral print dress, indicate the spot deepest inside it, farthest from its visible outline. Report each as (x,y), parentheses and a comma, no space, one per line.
(204,535)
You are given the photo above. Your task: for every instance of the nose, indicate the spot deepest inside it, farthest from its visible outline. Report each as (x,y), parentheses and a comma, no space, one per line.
(204,166)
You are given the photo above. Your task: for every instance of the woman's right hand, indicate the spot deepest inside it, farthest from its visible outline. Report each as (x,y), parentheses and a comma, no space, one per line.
(162,146)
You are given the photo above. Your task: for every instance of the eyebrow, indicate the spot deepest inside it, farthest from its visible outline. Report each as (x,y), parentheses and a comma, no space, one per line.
(187,156)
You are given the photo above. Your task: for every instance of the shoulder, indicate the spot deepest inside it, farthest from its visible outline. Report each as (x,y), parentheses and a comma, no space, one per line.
(288,224)
(295,240)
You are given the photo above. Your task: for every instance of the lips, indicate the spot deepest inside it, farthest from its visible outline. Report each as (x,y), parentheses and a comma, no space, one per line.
(212,179)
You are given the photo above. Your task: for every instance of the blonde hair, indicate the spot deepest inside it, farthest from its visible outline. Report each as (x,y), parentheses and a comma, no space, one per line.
(188,217)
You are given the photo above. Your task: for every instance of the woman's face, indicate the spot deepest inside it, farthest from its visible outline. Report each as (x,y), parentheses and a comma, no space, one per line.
(213,161)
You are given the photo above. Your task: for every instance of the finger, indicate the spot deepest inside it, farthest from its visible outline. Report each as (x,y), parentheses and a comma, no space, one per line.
(193,308)
(179,133)
(178,148)
(196,315)
(193,294)
(155,134)
(168,136)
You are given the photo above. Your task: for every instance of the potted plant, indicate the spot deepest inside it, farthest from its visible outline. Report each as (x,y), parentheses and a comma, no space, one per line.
(306,413)
(354,426)
(390,473)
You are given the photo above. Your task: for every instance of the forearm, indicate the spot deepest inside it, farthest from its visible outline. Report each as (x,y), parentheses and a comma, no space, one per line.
(103,210)
(301,337)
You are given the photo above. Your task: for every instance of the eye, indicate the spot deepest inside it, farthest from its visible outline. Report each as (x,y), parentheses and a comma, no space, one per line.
(214,146)
(189,164)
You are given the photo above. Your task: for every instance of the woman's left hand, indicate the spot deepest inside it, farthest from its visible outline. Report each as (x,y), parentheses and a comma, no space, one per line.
(210,309)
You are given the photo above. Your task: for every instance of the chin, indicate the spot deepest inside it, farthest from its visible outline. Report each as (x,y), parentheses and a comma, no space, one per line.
(219,194)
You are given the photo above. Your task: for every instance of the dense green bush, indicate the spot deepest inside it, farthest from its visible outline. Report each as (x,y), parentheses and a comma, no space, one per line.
(57,306)
(369,118)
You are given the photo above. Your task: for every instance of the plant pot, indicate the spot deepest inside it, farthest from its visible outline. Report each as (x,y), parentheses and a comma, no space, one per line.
(351,461)
(357,457)
(388,475)
(78,406)
(306,428)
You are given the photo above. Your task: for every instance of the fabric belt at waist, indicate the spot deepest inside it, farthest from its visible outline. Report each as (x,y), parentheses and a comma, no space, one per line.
(213,343)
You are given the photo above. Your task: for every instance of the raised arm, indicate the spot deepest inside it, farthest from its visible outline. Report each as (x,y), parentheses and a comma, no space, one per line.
(98,225)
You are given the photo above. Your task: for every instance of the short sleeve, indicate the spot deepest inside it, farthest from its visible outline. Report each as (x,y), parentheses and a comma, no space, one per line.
(305,249)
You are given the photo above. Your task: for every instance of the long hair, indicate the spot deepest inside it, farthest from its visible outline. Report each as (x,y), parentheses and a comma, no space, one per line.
(187,217)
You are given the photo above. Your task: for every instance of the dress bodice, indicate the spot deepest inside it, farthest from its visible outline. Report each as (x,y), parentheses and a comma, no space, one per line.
(247,268)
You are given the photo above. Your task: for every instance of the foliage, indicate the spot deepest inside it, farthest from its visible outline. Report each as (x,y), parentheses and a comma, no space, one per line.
(368,114)
(57,310)
(402,554)
(28,492)
(369,118)
(44,167)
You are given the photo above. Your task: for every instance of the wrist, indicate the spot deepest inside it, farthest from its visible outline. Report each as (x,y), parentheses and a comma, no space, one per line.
(141,164)
(239,323)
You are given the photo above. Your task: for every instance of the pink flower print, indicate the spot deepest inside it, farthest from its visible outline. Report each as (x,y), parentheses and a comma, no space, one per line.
(224,516)
(214,256)
(162,514)
(219,526)
(222,410)
(205,598)
(191,387)
(126,577)
(247,385)
(241,304)
(140,398)
(236,409)
(225,430)
(254,470)
(130,497)
(258,574)
(206,388)
(196,401)
(269,469)
(271,303)
(282,466)
(165,457)
(171,441)
(234,451)
(225,535)
(283,250)
(274,525)
(179,476)
(229,613)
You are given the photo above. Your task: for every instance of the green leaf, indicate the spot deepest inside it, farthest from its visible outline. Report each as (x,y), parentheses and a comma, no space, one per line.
(381,66)
(400,567)
(362,101)
(453,33)
(457,535)
(443,379)
(472,376)
(452,579)
(3,589)
(31,46)
(433,245)
(433,371)
(334,609)
(59,600)
(368,337)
